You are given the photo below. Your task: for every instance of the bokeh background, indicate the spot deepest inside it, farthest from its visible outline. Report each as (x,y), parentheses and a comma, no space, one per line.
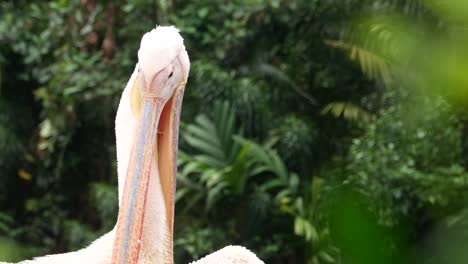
(312,131)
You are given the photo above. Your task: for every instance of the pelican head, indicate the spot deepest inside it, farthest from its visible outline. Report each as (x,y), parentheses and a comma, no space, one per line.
(147,125)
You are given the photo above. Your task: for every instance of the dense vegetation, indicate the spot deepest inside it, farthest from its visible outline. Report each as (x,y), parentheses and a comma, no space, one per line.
(334,131)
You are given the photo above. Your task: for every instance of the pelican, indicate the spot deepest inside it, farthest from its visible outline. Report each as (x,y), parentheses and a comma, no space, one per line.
(146,128)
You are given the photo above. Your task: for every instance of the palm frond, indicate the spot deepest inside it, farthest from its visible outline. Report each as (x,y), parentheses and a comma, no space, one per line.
(224,162)
(212,138)
(372,65)
(348,111)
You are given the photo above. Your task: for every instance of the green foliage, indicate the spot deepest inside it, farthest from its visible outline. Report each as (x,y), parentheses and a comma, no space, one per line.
(249,177)
(374,66)
(198,241)
(348,111)
(77,235)
(104,199)
(419,157)
(277,121)
(224,162)
(12,251)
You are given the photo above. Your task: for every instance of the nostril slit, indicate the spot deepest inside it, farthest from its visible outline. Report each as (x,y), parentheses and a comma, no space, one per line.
(170,75)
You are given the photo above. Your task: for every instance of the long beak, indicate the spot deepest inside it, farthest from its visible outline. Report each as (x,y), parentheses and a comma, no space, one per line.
(157,136)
